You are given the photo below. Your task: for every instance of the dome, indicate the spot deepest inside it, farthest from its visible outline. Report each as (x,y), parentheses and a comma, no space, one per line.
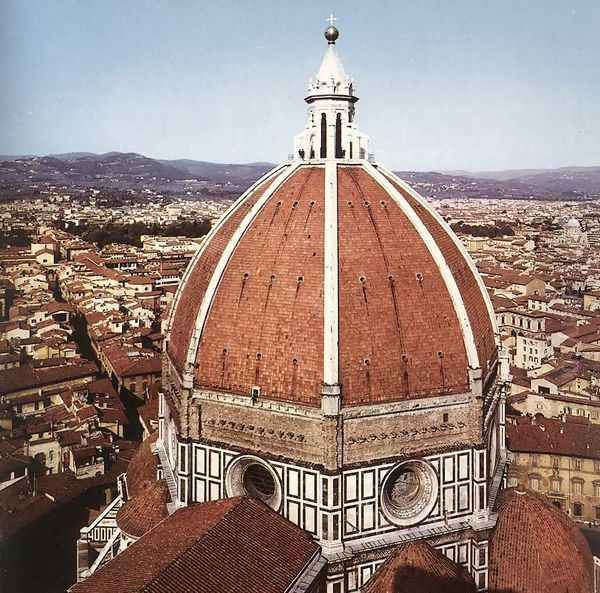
(536,548)
(416,567)
(332,275)
(574,224)
(142,467)
(143,512)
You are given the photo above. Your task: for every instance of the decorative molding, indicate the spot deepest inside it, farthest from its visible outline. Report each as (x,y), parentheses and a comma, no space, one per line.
(261,404)
(364,411)
(411,433)
(413,405)
(261,431)
(331,283)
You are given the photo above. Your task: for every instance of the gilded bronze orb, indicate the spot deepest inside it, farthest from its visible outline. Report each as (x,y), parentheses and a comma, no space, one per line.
(331,34)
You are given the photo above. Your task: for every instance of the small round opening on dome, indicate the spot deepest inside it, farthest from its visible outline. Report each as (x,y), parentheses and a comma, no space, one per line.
(258,482)
(409,492)
(251,476)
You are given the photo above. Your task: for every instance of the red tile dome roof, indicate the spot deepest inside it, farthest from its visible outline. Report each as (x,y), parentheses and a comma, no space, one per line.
(416,567)
(146,510)
(536,548)
(224,546)
(142,467)
(342,276)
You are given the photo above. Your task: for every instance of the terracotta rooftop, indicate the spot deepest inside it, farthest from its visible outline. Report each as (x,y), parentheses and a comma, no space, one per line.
(236,545)
(102,386)
(399,332)
(562,375)
(142,467)
(145,510)
(416,567)
(536,548)
(55,307)
(132,366)
(27,377)
(577,436)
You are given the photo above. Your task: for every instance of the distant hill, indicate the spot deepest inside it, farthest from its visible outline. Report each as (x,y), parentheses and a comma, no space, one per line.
(113,169)
(448,185)
(584,180)
(566,179)
(71,156)
(123,171)
(14,157)
(218,172)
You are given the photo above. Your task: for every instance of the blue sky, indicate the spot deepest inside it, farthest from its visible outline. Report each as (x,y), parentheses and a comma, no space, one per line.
(444,85)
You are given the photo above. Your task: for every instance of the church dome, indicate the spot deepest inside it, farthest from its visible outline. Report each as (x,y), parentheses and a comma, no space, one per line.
(416,567)
(536,548)
(331,276)
(332,273)
(146,510)
(142,467)
(573,224)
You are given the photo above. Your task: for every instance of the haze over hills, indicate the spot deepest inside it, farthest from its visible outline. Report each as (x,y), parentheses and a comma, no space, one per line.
(117,170)
(218,172)
(585,179)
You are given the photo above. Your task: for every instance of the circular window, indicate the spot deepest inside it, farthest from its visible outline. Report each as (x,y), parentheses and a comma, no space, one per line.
(258,482)
(409,492)
(251,476)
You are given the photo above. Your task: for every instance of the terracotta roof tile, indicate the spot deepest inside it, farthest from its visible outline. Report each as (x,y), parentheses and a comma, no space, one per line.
(416,567)
(27,377)
(146,510)
(396,313)
(192,291)
(399,333)
(236,545)
(472,296)
(142,467)
(536,548)
(576,437)
(263,318)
